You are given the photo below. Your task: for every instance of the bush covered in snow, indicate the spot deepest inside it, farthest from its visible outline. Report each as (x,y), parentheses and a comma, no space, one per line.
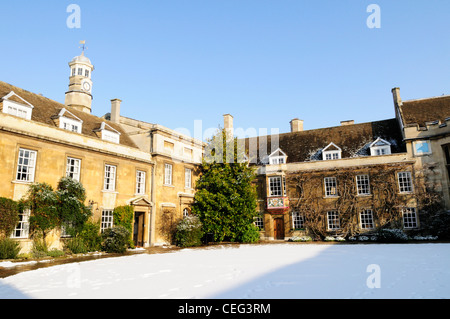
(391,235)
(115,239)
(301,238)
(189,232)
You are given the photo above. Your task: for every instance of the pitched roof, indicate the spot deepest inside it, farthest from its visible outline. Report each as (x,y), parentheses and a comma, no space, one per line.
(45,109)
(423,111)
(354,140)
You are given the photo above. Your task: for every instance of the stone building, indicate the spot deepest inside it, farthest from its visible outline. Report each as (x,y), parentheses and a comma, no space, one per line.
(177,159)
(42,140)
(352,178)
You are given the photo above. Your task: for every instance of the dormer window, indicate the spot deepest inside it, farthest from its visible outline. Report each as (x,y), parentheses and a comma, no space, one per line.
(68,121)
(107,133)
(110,136)
(277,157)
(380,147)
(331,152)
(16,106)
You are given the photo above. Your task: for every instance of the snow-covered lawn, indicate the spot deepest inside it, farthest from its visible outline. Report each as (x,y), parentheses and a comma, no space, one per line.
(249,271)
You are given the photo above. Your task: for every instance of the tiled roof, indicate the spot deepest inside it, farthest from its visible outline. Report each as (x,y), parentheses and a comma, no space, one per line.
(46,109)
(354,141)
(425,111)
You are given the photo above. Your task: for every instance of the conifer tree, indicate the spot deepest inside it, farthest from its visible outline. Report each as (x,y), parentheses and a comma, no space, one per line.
(225,199)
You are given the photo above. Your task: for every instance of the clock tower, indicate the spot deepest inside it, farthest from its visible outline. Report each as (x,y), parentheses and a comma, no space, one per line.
(79,95)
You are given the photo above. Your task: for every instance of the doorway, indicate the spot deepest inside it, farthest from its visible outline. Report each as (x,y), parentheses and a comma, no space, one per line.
(138,229)
(278,228)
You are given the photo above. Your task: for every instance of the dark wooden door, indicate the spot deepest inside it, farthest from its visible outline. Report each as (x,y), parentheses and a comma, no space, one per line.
(278,228)
(138,235)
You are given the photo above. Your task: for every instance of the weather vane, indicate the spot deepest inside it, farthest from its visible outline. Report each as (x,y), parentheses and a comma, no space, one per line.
(83,43)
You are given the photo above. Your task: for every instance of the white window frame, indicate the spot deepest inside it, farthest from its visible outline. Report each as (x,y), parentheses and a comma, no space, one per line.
(363,184)
(332,154)
(109,183)
(276,186)
(22,229)
(298,221)
(140,182)
(73,168)
(168,171)
(330,186)
(383,147)
(258,221)
(366,221)
(188,178)
(26,165)
(277,157)
(409,216)
(110,136)
(186,212)
(107,219)
(70,125)
(405,184)
(333,221)
(17,109)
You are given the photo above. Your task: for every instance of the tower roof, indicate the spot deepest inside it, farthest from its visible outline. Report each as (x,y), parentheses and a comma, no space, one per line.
(81,59)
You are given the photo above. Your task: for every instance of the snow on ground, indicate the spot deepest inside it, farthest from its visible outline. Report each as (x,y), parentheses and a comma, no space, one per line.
(274,271)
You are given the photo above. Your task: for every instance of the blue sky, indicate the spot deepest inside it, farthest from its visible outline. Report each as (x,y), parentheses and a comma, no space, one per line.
(265,62)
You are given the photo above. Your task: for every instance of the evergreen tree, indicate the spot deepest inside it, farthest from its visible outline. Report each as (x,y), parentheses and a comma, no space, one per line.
(225,199)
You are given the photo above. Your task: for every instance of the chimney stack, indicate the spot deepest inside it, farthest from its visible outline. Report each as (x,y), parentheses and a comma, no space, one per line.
(228,125)
(296,125)
(396,96)
(348,122)
(115,110)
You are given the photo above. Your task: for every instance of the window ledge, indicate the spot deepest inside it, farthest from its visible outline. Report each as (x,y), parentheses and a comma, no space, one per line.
(108,191)
(21,182)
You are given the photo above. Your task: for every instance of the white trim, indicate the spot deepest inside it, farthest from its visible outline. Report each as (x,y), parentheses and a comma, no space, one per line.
(22,111)
(380,147)
(10,94)
(333,154)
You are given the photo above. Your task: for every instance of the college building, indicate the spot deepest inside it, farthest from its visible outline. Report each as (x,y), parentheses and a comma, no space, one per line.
(343,180)
(355,177)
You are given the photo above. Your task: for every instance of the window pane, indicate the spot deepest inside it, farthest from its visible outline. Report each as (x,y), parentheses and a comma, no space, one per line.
(275,188)
(330,186)
(405,182)
(362,183)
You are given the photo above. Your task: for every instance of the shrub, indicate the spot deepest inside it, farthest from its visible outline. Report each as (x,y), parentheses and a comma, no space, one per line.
(9,248)
(76,246)
(124,216)
(440,225)
(115,239)
(189,232)
(301,238)
(387,235)
(9,216)
(39,249)
(55,253)
(90,236)
(250,235)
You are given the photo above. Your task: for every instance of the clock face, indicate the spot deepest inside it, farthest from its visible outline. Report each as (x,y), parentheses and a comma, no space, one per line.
(87,86)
